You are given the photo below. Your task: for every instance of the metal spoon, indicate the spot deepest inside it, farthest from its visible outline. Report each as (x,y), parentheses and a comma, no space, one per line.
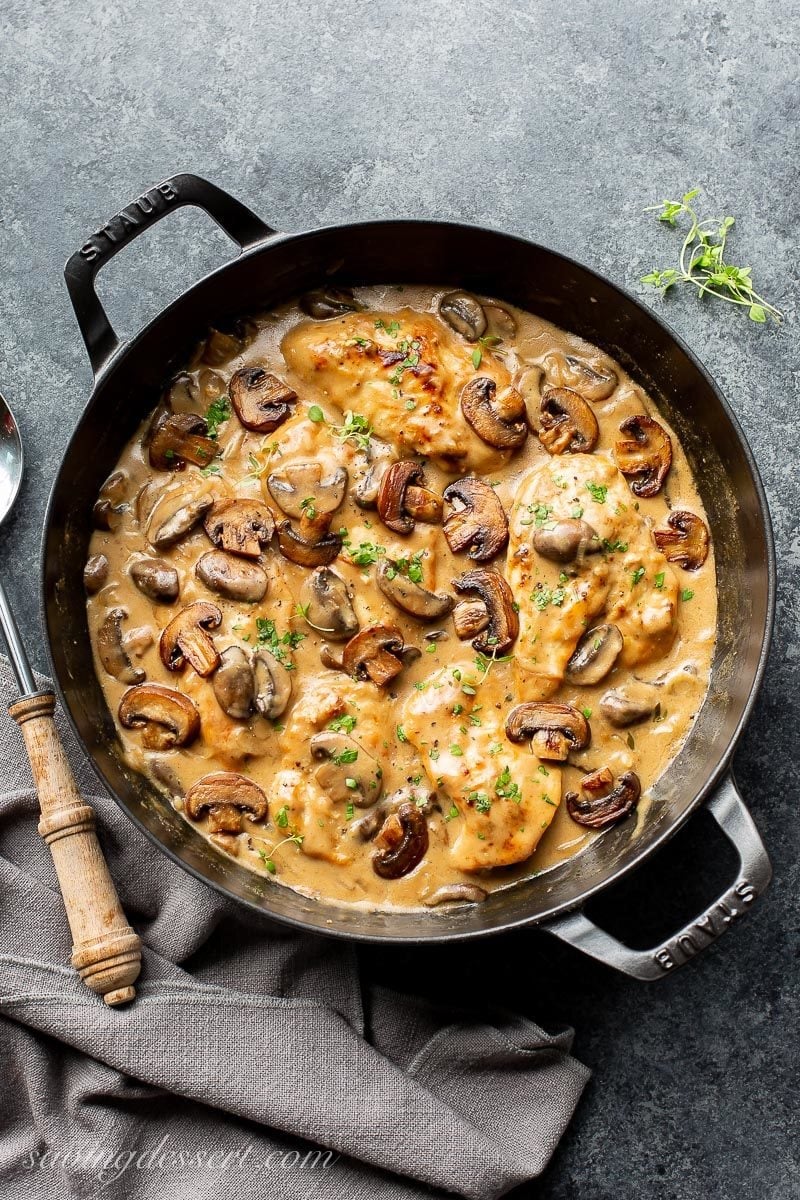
(106,951)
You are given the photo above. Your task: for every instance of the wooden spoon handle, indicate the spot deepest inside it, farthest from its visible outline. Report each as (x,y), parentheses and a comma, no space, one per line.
(106,952)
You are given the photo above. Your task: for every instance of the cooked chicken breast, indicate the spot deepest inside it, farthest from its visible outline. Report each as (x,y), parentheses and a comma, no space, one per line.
(498,800)
(404,372)
(623,580)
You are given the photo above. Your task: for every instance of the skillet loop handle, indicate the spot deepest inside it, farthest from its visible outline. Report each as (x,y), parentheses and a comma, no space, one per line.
(237,221)
(755,872)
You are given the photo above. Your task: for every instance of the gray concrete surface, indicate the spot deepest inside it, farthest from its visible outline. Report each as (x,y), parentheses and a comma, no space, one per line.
(551,120)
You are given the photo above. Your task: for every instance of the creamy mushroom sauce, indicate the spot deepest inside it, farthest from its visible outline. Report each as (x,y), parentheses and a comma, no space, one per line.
(438,726)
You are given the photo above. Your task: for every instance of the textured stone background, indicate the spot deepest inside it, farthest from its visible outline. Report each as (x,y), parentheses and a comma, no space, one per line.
(551,120)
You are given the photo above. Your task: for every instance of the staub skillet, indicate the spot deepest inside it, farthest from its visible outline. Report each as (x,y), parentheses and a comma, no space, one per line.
(272,267)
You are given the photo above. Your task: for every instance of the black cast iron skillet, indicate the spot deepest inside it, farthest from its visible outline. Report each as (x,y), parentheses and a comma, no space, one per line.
(273,267)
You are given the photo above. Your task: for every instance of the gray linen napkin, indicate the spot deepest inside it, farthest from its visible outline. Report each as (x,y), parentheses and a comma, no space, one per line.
(255,1061)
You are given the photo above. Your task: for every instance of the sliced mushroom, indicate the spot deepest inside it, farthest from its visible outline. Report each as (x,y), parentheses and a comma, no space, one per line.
(503,626)
(646,457)
(348,772)
(137,641)
(240,526)
(598,808)
(423,504)
(330,658)
(110,503)
(402,842)
(112,652)
(498,418)
(180,523)
(166,717)
(456,893)
(553,729)
(367,826)
(234,684)
(567,424)
(374,654)
(327,605)
(628,704)
(470,617)
(146,500)
(156,578)
(178,438)
(463,313)
(412,598)
(225,797)
(95,573)
(297,549)
(186,639)
(500,321)
(685,542)
(371,465)
(325,302)
(565,541)
(226,340)
(595,655)
(232,577)
(260,400)
(476,520)
(393,495)
(273,684)
(305,491)
(567,370)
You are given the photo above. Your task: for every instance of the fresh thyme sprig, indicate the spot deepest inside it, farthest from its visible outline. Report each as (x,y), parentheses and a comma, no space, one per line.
(702,260)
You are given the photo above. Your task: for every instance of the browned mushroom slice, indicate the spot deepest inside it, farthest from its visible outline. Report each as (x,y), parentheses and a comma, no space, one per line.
(261,401)
(371,464)
(185,639)
(470,617)
(327,605)
(179,524)
(553,729)
(498,418)
(348,773)
(456,893)
(463,313)
(95,573)
(411,597)
(156,579)
(234,684)
(297,549)
(178,438)
(686,540)
(374,654)
(393,495)
(309,493)
(233,577)
(112,652)
(240,526)
(566,423)
(273,684)
(226,341)
(476,520)
(165,716)
(600,807)
(628,704)
(225,797)
(325,302)
(565,541)
(595,655)
(501,322)
(330,658)
(567,370)
(110,503)
(646,457)
(503,625)
(402,842)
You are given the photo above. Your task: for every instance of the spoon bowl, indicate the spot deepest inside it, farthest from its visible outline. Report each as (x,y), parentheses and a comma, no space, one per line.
(12,459)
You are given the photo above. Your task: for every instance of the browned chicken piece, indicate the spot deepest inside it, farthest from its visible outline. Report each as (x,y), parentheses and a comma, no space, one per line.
(497,803)
(618,576)
(404,371)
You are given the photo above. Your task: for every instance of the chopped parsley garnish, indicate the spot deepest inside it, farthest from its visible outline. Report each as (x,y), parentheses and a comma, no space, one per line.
(344,724)
(410,567)
(659,579)
(308,508)
(506,787)
(598,492)
(365,554)
(349,812)
(282,817)
(457,751)
(316,414)
(356,429)
(217,413)
(402,736)
(344,757)
(637,576)
(393,328)
(687,594)
(477,355)
(278,643)
(481,801)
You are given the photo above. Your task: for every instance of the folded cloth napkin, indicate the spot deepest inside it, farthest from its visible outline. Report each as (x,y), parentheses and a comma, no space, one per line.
(255,1061)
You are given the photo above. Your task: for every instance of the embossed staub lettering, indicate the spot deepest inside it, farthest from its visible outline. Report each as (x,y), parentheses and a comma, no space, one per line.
(705,929)
(121,227)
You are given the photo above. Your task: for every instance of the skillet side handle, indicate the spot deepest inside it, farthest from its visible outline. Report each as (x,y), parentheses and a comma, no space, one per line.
(237,221)
(755,872)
